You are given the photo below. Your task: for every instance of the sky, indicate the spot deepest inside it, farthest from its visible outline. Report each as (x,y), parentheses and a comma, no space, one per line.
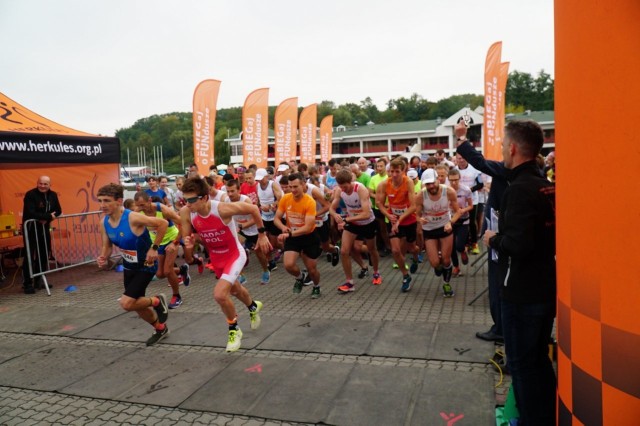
(99,66)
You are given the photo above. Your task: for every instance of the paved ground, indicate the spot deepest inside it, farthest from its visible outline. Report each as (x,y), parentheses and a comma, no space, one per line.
(375,356)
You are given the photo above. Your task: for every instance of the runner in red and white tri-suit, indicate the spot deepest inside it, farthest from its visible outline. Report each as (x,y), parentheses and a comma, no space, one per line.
(214,224)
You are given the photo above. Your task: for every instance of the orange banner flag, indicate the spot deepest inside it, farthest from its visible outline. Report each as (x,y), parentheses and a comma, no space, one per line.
(326,134)
(285,126)
(500,115)
(205,99)
(308,130)
(492,149)
(255,128)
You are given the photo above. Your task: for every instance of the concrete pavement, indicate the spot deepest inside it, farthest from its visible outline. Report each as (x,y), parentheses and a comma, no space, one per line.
(375,356)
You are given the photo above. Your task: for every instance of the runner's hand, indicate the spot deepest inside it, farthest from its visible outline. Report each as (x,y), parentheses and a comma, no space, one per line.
(263,244)
(101,261)
(189,241)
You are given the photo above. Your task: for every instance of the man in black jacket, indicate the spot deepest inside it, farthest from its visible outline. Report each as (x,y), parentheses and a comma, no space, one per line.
(498,172)
(42,204)
(525,243)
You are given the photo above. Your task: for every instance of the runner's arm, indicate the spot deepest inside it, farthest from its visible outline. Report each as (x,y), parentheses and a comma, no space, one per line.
(107,248)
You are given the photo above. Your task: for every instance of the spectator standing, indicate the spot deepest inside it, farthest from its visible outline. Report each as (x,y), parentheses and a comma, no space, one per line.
(42,204)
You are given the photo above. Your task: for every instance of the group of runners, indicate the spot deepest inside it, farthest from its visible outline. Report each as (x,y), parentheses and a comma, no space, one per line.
(290,212)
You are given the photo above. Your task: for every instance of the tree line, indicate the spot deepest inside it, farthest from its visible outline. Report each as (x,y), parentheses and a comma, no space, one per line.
(174,130)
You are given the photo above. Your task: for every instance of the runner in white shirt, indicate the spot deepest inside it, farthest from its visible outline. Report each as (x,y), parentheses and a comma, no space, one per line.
(433,210)
(469,176)
(461,226)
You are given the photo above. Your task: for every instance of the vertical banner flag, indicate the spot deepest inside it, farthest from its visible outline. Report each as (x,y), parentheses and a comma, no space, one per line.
(205,99)
(502,86)
(492,149)
(308,130)
(255,128)
(326,134)
(285,126)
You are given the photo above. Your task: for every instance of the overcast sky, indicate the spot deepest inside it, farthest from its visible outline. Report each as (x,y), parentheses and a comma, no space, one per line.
(100,65)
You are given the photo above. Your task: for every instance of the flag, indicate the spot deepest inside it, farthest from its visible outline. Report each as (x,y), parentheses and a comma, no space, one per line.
(492,149)
(308,129)
(205,98)
(500,115)
(255,128)
(326,134)
(285,126)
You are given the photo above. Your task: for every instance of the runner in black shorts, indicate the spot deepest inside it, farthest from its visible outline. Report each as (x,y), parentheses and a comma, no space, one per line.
(298,235)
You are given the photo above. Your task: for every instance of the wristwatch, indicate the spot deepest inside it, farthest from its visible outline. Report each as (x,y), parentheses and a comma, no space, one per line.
(155,247)
(262,230)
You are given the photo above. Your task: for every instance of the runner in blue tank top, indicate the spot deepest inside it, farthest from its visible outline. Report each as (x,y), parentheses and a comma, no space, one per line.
(129,233)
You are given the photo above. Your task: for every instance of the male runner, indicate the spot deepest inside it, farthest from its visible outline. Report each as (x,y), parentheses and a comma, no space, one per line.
(395,199)
(434,211)
(381,175)
(214,224)
(298,235)
(129,232)
(269,194)
(359,222)
(246,227)
(461,227)
(168,250)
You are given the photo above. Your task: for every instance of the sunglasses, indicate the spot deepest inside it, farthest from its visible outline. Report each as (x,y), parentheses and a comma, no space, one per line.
(192,199)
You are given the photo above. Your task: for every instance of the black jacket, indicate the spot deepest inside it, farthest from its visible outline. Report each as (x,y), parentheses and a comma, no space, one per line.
(40,205)
(526,242)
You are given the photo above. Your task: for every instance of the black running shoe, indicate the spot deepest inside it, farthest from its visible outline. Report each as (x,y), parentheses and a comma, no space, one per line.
(297,286)
(272,265)
(157,336)
(184,272)
(162,309)
(335,256)
(363,273)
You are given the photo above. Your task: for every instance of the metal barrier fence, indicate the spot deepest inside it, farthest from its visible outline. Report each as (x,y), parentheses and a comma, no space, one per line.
(69,241)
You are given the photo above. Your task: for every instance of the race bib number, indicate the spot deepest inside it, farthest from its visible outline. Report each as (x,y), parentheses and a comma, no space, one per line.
(398,211)
(130,256)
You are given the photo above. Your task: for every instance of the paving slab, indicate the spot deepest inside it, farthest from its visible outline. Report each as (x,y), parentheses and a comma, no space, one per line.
(398,339)
(52,320)
(444,394)
(12,348)
(375,395)
(212,330)
(149,376)
(57,365)
(323,335)
(300,390)
(457,342)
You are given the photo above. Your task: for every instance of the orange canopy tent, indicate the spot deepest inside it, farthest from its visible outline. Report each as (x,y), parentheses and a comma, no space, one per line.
(78,163)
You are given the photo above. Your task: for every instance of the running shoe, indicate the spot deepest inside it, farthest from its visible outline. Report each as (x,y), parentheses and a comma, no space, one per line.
(162,310)
(276,257)
(272,265)
(235,339)
(421,258)
(307,279)
(266,277)
(335,256)
(329,257)
(297,286)
(457,272)
(438,270)
(176,301)
(395,266)
(465,257)
(210,267)
(414,266)
(346,288)
(475,249)
(446,274)
(315,292)
(448,291)
(242,279)
(184,273)
(157,336)
(377,279)
(255,316)
(406,283)
(363,273)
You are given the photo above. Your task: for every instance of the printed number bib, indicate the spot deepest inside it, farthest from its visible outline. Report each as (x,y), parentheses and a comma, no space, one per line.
(130,256)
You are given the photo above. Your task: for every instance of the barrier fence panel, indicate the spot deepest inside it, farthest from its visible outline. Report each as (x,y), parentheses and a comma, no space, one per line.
(68,241)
